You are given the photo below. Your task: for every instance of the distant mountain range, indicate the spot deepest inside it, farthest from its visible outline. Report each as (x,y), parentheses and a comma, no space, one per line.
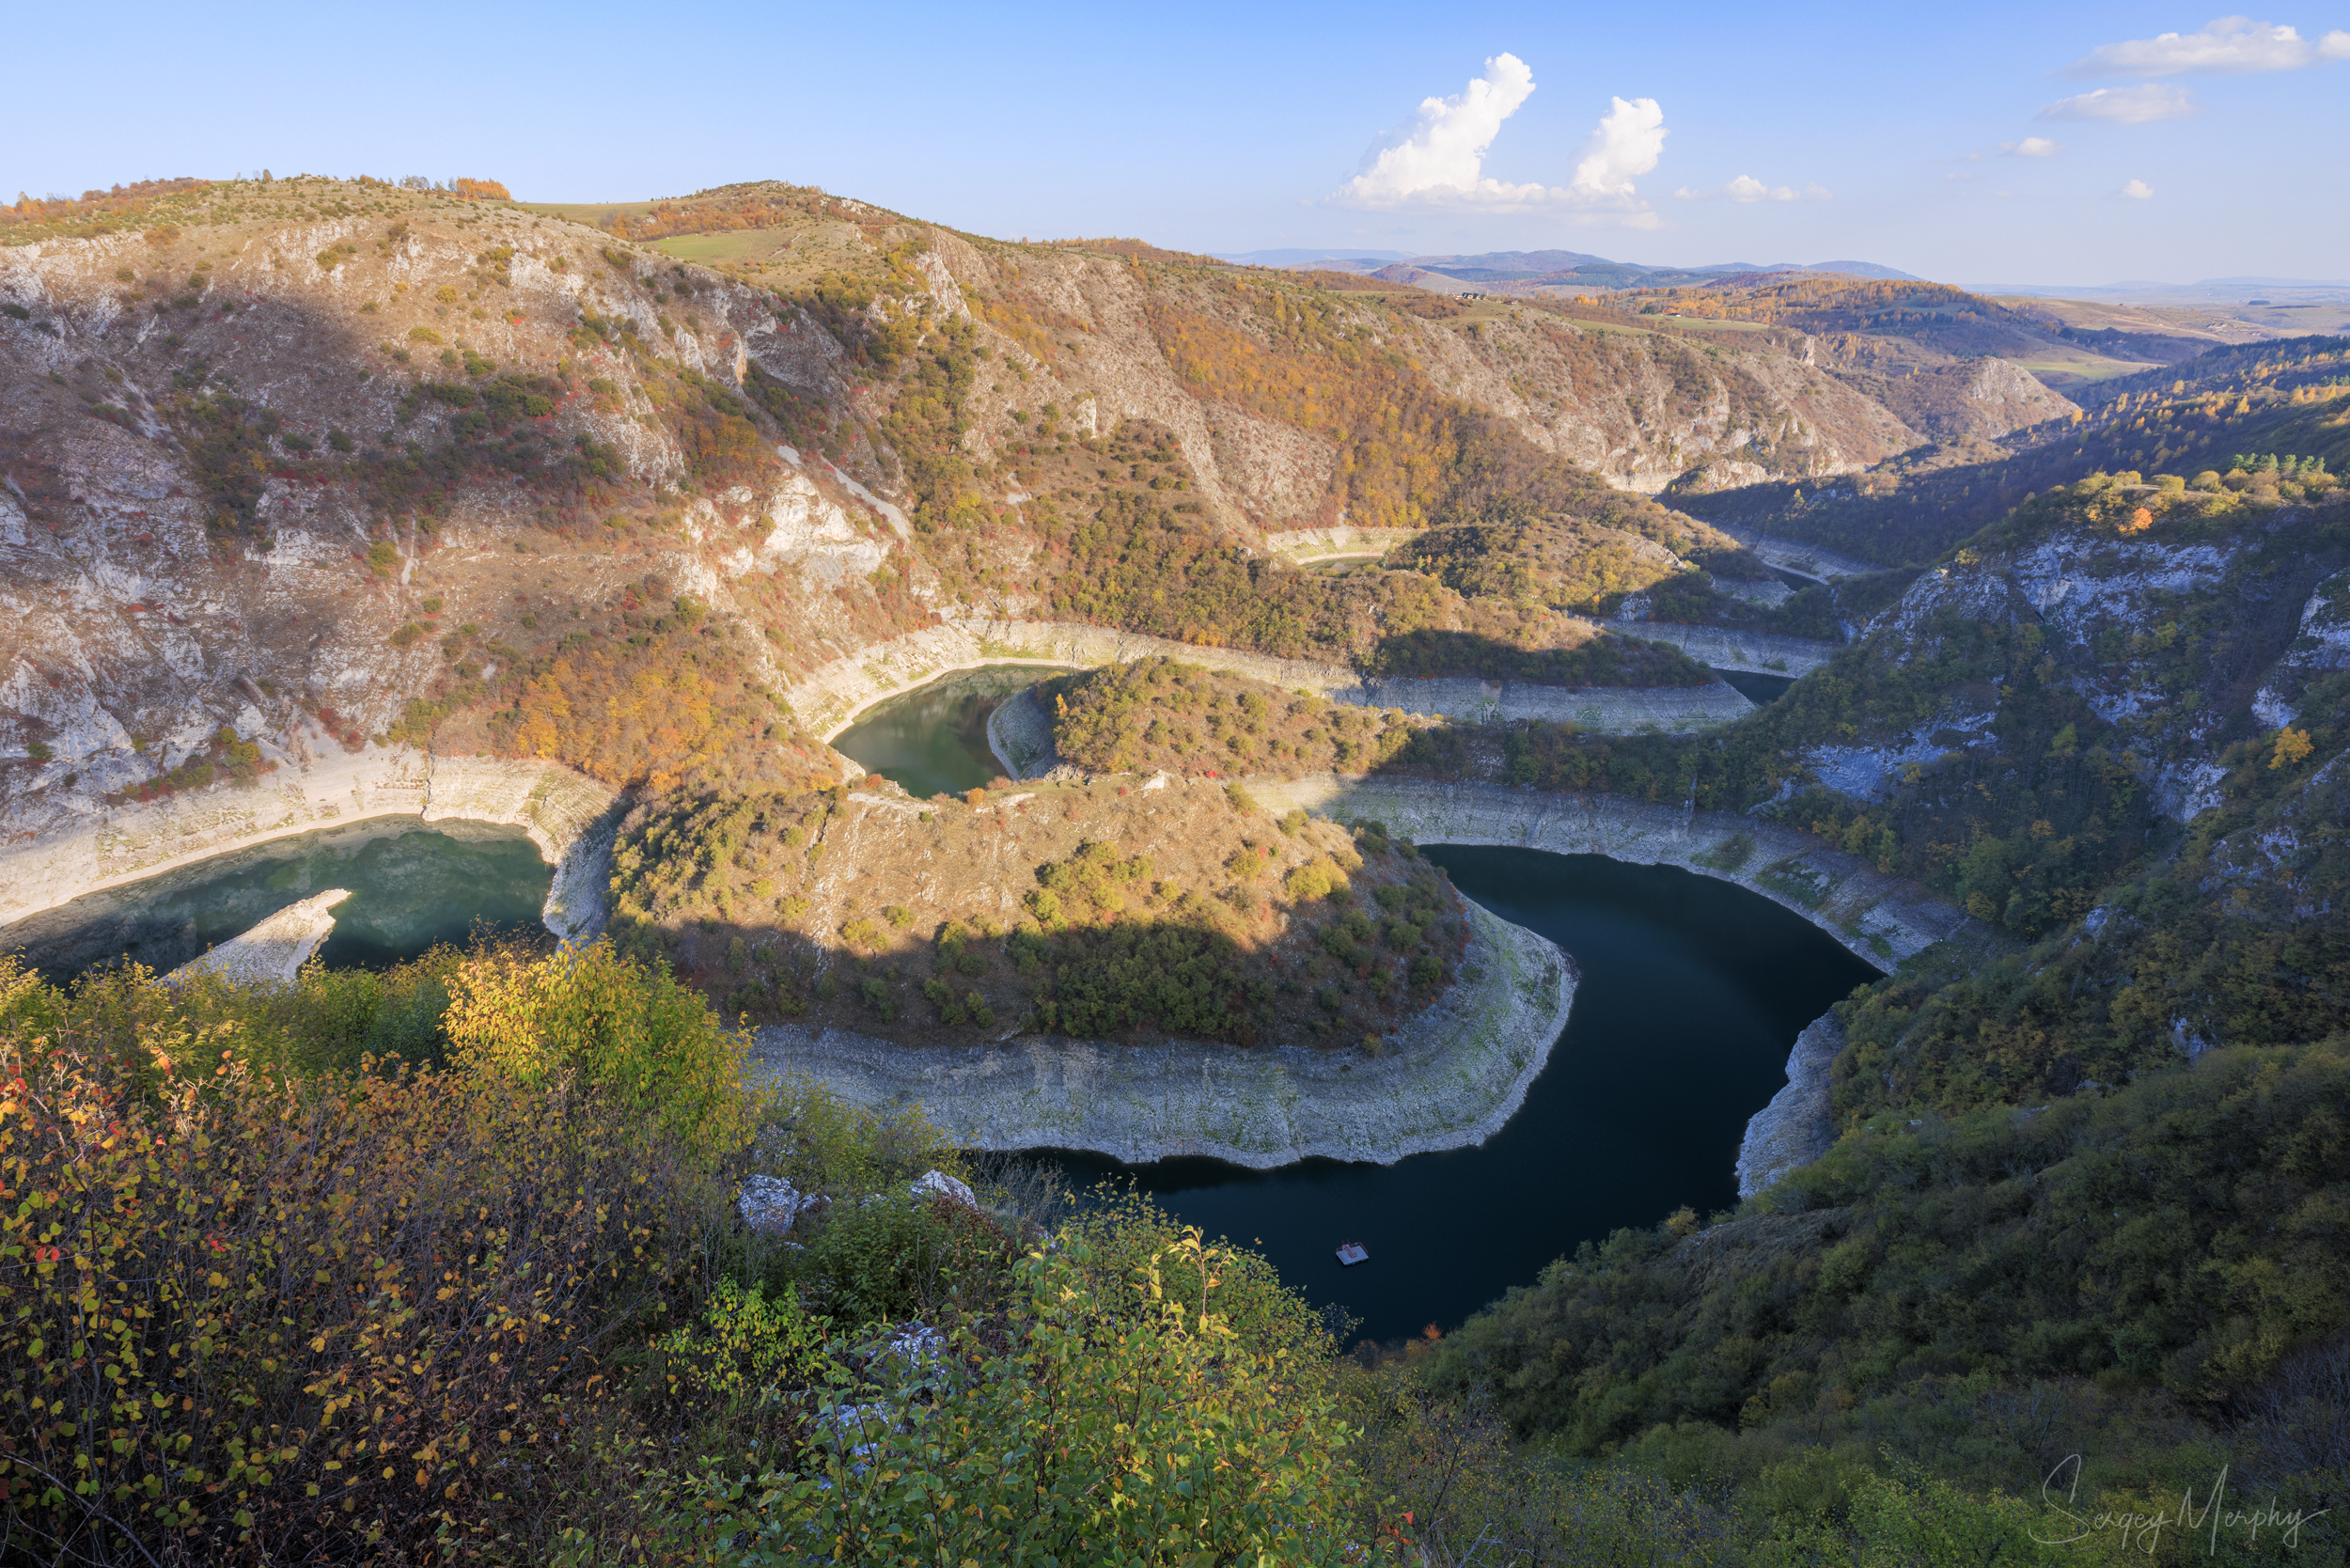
(1566,270)
(1309,258)
(2210,290)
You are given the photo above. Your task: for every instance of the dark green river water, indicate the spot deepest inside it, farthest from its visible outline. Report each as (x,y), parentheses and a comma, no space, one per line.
(1760,690)
(1692,994)
(932,740)
(412,886)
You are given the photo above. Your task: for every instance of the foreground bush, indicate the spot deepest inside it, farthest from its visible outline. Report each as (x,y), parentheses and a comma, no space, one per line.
(500,1309)
(255,1319)
(1073,1432)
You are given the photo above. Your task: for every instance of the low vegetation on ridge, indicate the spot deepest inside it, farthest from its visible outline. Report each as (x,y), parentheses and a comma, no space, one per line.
(1120,909)
(1161,713)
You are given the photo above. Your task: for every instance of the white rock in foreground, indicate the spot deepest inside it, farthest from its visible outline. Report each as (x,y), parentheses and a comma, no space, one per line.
(770,1204)
(943,1185)
(273,951)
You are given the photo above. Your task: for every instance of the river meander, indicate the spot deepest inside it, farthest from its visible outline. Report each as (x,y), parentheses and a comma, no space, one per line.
(412,886)
(1692,994)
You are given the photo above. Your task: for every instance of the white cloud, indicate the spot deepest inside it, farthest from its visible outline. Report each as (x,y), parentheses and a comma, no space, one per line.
(2229,43)
(1746,188)
(1628,141)
(1437,159)
(2148,100)
(2032,146)
(2136,190)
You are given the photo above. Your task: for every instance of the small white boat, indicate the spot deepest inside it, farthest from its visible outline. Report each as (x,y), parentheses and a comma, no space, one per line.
(1351,1253)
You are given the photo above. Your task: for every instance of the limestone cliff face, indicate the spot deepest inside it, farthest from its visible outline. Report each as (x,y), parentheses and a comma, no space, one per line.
(1984,398)
(167,569)
(1797,1126)
(1639,407)
(2168,633)
(323,450)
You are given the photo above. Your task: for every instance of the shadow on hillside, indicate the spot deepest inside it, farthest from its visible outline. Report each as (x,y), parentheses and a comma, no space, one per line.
(1434,654)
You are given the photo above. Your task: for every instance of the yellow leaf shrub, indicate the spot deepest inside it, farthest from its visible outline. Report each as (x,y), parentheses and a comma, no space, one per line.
(247,1319)
(622,1028)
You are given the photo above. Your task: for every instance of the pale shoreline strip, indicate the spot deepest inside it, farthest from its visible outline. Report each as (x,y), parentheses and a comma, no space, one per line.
(567,815)
(1449,1078)
(829,700)
(274,950)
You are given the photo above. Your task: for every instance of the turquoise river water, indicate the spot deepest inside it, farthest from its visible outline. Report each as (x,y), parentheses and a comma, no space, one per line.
(412,886)
(932,740)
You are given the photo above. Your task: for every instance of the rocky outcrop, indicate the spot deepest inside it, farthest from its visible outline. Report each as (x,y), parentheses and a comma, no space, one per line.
(1020,733)
(133,628)
(1760,652)
(1984,397)
(771,1205)
(2321,646)
(273,951)
(1449,1079)
(567,815)
(1797,1127)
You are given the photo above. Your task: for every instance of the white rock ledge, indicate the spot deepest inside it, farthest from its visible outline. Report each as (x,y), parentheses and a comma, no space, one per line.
(1797,1126)
(1881,919)
(273,951)
(829,698)
(1449,1079)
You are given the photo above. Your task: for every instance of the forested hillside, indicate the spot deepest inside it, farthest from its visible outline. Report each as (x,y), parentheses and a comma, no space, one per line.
(329,462)
(2088,1197)
(2235,417)
(299,464)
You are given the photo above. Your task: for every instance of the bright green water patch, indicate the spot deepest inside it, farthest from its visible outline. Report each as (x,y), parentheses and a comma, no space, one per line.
(411,886)
(932,740)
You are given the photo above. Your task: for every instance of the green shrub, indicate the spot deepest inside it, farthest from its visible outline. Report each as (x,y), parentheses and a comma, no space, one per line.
(332,1299)
(1105,1430)
(746,1344)
(625,1029)
(889,1257)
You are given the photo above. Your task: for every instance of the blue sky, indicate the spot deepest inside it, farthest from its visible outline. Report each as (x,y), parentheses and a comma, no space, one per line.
(1896,134)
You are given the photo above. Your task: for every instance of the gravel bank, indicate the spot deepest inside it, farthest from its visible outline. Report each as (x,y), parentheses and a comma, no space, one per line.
(1449,1079)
